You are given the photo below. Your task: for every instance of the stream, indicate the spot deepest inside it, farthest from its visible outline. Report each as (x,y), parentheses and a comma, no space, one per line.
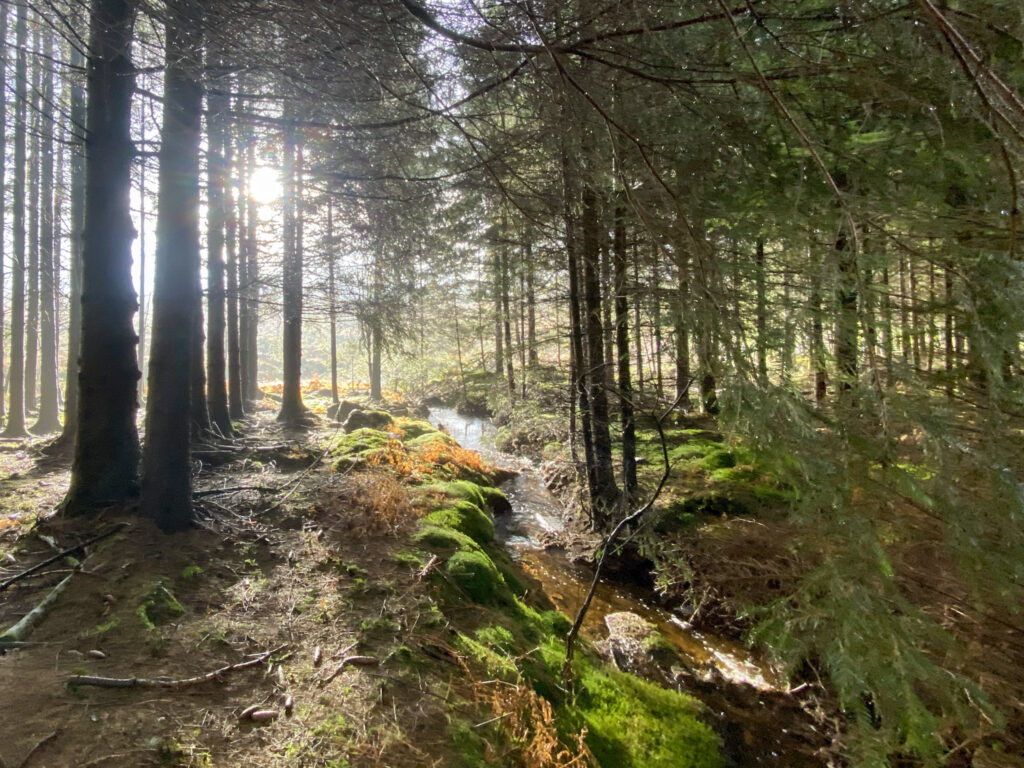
(741,692)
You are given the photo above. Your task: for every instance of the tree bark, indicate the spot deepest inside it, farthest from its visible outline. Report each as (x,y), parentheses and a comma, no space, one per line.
(629,478)
(846,320)
(78,153)
(49,409)
(683,375)
(236,403)
(32,272)
(166,465)
(216,221)
(506,315)
(292,409)
(332,308)
(104,470)
(761,319)
(3,199)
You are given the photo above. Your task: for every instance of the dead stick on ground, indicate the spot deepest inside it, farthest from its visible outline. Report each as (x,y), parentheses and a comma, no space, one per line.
(138,682)
(45,740)
(5,584)
(363,661)
(23,628)
(217,491)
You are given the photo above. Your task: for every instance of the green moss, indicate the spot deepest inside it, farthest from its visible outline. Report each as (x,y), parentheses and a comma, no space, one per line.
(475,573)
(461,490)
(633,723)
(495,662)
(470,747)
(159,607)
(102,629)
(442,539)
(720,458)
(426,439)
(467,518)
(191,572)
(414,428)
(359,442)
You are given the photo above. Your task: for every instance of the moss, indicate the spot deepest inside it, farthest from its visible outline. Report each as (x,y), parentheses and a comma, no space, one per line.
(471,749)
(720,458)
(496,662)
(441,539)
(426,439)
(414,428)
(461,490)
(632,722)
(102,629)
(467,518)
(359,442)
(159,607)
(475,573)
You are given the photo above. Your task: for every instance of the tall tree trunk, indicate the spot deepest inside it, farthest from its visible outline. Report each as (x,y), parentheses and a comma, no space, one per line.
(252,366)
(244,308)
(200,413)
(49,408)
(332,308)
(607,305)
(166,471)
(637,335)
(846,319)
(887,339)
(499,344)
(659,382)
(818,339)
(292,409)
(904,311)
(761,318)
(104,470)
(682,332)
(16,377)
(217,215)
(143,254)
(606,492)
(3,199)
(531,304)
(32,273)
(78,164)
(236,403)
(629,479)
(948,329)
(506,315)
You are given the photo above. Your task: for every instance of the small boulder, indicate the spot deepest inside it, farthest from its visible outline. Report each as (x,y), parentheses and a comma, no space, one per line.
(360,419)
(340,411)
(635,645)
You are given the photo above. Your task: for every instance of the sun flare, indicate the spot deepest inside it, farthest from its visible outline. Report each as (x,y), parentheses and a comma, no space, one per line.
(265,185)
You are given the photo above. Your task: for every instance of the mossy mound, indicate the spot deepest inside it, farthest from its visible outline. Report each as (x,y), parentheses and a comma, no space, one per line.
(413,428)
(159,607)
(465,517)
(428,439)
(635,724)
(476,573)
(443,539)
(360,419)
(484,496)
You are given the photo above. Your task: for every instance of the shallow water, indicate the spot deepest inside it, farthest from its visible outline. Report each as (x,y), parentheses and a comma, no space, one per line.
(536,512)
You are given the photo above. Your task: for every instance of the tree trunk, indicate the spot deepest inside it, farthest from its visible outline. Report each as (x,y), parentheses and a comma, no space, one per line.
(659,383)
(78,163)
(332,308)
(607,493)
(16,377)
(104,470)
(216,221)
(499,348)
(629,479)
(682,330)
(3,197)
(948,330)
(637,335)
(236,403)
(846,320)
(32,273)
(49,266)
(292,409)
(531,305)
(166,471)
(761,319)
(200,413)
(818,339)
(506,315)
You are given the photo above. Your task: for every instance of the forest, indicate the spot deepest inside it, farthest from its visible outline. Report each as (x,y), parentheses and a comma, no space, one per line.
(601,383)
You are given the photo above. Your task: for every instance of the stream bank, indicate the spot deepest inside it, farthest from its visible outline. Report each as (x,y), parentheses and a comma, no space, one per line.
(760,723)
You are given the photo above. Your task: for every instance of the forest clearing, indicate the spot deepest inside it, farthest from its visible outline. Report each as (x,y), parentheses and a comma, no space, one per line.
(456,383)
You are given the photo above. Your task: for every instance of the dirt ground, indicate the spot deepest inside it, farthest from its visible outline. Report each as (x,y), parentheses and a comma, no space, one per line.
(308,575)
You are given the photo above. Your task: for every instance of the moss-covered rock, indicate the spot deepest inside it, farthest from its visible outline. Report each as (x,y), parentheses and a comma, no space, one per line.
(466,517)
(475,573)
(360,419)
(443,539)
(341,411)
(413,428)
(159,607)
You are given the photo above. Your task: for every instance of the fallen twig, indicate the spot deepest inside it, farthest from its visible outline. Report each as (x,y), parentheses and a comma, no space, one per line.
(29,621)
(138,682)
(363,661)
(39,745)
(71,550)
(236,489)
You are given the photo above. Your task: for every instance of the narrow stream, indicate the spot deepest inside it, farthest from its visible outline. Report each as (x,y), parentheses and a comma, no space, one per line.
(760,729)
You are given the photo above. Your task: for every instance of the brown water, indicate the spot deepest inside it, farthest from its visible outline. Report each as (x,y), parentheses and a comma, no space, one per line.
(761,726)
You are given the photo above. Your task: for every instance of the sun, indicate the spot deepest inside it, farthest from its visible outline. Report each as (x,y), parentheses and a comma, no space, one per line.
(265,185)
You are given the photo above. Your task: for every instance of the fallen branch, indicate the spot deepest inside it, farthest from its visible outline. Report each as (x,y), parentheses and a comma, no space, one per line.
(21,630)
(236,489)
(139,682)
(363,661)
(71,550)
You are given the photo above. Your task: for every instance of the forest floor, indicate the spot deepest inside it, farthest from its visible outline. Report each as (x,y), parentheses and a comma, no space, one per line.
(310,576)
